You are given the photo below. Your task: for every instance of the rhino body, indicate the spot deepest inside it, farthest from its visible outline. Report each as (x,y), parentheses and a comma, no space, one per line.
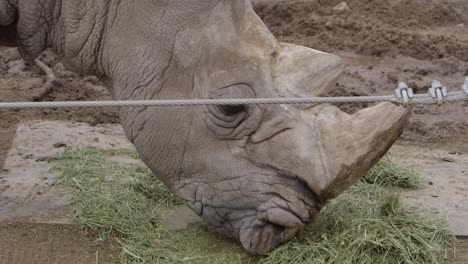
(255,173)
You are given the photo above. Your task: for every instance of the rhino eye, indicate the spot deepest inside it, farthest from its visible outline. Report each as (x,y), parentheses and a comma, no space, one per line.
(233,121)
(231,110)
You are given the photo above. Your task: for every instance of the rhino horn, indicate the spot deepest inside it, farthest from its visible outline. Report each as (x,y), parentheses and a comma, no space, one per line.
(339,148)
(347,146)
(305,72)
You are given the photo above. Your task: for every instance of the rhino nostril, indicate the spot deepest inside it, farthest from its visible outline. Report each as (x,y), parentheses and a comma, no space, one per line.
(283,217)
(261,239)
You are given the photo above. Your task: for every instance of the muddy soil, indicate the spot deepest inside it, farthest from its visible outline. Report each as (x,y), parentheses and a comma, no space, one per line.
(462,252)
(23,243)
(382,41)
(20,81)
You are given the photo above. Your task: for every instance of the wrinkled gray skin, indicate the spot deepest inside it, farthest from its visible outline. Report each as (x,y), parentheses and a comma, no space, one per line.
(256,174)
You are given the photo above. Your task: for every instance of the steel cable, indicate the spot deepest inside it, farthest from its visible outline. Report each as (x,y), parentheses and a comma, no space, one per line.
(424,99)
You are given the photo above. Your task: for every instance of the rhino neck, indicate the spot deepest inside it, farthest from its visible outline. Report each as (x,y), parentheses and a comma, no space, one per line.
(155,57)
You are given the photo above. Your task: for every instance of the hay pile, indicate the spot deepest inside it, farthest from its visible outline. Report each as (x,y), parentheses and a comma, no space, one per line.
(388,173)
(367,224)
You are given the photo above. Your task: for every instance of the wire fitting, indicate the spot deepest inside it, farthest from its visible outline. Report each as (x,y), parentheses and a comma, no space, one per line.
(404,93)
(439,92)
(465,86)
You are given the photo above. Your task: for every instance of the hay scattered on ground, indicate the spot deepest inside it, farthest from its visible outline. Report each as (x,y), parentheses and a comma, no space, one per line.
(367,224)
(126,200)
(389,173)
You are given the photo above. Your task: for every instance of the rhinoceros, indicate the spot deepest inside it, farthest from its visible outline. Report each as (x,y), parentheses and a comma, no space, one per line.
(257,174)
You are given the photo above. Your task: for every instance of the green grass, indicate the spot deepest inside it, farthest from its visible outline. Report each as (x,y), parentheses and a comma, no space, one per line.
(367,224)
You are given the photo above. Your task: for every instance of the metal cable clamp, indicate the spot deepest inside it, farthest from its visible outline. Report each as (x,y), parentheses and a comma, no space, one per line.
(465,86)
(439,92)
(404,93)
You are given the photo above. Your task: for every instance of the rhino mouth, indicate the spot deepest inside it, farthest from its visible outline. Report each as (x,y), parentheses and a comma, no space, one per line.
(281,216)
(268,210)
(261,239)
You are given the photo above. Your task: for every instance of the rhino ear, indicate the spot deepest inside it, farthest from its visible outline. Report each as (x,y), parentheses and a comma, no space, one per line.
(305,72)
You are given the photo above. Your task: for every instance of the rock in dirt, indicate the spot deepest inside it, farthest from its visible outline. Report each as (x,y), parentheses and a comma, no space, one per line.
(446,159)
(341,8)
(16,67)
(60,145)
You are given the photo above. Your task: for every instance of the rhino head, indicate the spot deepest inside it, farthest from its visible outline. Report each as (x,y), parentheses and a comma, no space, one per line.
(255,173)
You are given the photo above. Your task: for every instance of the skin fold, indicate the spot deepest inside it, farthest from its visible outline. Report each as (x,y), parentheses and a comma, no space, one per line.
(258,174)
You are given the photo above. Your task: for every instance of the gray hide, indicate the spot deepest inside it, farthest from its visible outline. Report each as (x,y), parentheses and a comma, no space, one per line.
(254,173)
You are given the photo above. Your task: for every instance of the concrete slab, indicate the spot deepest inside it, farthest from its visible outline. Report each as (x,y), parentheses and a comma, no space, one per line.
(28,189)
(446,175)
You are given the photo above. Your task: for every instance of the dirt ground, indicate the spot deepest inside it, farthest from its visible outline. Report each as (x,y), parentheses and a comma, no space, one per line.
(382,41)
(55,244)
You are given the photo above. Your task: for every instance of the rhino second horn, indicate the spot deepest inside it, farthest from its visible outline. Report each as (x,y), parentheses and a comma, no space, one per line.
(305,72)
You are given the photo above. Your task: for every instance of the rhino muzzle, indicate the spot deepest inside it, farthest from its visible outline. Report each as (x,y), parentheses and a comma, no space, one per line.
(322,156)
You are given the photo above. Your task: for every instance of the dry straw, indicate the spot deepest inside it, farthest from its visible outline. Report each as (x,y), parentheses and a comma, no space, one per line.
(367,224)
